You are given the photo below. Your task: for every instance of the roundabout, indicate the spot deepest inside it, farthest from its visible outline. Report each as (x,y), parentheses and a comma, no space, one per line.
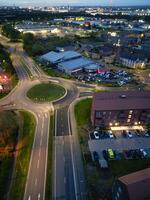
(45,92)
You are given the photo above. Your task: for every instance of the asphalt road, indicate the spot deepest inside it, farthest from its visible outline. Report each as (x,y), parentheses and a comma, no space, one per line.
(65,180)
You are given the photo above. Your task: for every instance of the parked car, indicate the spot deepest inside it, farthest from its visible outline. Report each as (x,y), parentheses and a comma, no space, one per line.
(110,154)
(110,134)
(129,134)
(96,135)
(146,134)
(144,153)
(124,133)
(105,155)
(95,156)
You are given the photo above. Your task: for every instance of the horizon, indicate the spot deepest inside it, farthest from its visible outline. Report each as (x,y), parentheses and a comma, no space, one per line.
(102,3)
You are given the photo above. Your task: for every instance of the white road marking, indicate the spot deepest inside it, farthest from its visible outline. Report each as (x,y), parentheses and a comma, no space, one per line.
(29,198)
(39,196)
(36,181)
(45,115)
(38,163)
(41,142)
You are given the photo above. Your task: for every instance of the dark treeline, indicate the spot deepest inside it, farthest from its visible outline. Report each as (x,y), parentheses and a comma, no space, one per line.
(25,14)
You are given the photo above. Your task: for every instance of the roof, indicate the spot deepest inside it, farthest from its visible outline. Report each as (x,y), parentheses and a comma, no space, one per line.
(56,57)
(137,184)
(92,66)
(76,63)
(135,177)
(121,100)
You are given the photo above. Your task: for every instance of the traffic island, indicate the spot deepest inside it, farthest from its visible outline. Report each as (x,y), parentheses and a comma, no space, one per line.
(46,92)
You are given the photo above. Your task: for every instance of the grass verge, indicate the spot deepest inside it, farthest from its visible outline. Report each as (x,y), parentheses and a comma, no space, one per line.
(24,148)
(46,92)
(124,167)
(48,192)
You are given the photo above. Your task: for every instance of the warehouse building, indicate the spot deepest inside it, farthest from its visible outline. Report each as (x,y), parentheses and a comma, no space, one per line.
(126,108)
(57,57)
(70,62)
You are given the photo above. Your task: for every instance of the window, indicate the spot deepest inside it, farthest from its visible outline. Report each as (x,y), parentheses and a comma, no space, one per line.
(98,114)
(131,111)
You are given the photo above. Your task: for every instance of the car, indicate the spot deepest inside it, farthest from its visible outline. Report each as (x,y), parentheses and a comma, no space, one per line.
(110,134)
(129,134)
(146,134)
(95,156)
(138,133)
(96,135)
(110,154)
(144,153)
(124,133)
(105,155)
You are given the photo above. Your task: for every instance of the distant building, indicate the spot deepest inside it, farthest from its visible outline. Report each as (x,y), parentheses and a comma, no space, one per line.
(133,59)
(57,57)
(134,186)
(120,108)
(70,61)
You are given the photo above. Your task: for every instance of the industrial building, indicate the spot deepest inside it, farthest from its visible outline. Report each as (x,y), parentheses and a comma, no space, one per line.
(126,108)
(70,61)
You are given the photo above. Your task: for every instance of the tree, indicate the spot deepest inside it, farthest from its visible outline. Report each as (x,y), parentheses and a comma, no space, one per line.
(9,31)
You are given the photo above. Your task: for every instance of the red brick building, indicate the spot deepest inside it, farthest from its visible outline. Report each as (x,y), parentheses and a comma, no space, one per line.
(120,108)
(134,186)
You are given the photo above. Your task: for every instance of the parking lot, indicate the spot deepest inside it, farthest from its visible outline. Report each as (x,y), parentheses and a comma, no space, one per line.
(127,144)
(119,144)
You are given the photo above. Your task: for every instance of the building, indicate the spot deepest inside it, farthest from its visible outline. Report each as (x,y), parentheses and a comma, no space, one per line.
(117,108)
(70,62)
(57,57)
(77,65)
(134,59)
(134,186)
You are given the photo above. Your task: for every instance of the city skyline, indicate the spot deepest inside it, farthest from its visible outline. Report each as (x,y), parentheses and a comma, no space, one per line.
(73,2)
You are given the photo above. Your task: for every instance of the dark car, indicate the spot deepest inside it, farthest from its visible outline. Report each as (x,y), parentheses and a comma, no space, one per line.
(95,156)
(124,133)
(105,155)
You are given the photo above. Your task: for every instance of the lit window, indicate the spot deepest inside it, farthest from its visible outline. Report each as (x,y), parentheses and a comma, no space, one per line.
(128,120)
(129,117)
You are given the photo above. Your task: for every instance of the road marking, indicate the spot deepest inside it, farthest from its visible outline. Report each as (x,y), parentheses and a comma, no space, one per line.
(39,196)
(39,115)
(45,115)
(38,163)
(36,181)
(41,142)
(29,198)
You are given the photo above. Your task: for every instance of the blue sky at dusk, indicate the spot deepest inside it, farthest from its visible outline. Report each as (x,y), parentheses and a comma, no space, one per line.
(74,2)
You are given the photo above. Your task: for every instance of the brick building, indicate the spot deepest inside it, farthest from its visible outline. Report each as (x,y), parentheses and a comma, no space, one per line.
(134,186)
(118,108)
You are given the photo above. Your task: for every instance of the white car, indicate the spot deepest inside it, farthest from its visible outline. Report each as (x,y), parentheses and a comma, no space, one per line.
(143,152)
(96,135)
(129,134)
(110,134)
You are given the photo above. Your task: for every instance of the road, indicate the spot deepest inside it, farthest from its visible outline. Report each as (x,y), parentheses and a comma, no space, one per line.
(66,180)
